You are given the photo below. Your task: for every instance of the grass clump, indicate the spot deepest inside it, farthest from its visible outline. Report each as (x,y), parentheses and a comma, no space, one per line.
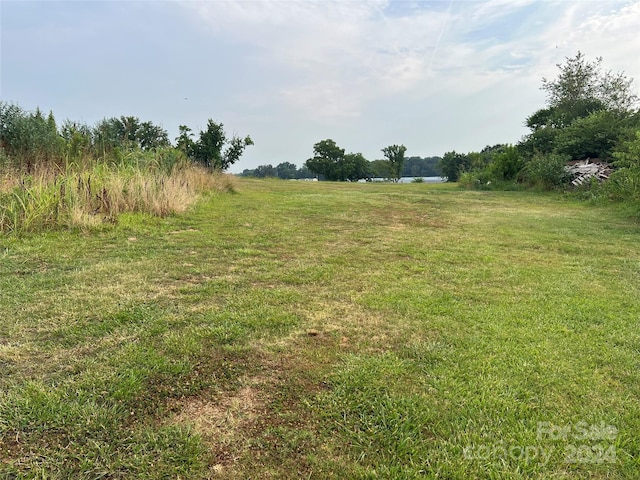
(84,198)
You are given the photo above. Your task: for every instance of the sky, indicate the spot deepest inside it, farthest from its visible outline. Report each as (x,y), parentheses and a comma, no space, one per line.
(435,76)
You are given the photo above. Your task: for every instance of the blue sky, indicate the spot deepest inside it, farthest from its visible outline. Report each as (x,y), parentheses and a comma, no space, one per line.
(432,75)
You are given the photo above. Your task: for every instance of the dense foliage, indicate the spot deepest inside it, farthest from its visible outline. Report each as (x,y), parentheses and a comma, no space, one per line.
(420,167)
(212,149)
(590,114)
(332,163)
(31,139)
(78,176)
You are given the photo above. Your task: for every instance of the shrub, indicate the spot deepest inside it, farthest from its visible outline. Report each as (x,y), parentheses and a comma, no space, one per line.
(476,179)
(506,165)
(624,184)
(545,171)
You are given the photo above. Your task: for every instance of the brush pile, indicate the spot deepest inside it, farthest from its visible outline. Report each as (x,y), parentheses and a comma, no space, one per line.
(582,171)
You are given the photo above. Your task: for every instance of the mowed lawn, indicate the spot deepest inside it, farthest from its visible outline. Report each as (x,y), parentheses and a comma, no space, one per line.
(322,330)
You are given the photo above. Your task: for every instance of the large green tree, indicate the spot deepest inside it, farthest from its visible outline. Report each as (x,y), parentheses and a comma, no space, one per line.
(586,112)
(331,162)
(395,157)
(356,167)
(326,160)
(453,164)
(582,87)
(380,169)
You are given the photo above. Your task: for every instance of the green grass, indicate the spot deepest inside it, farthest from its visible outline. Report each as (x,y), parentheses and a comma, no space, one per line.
(319,330)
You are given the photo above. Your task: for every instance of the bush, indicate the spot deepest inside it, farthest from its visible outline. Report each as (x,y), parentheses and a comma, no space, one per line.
(506,165)
(624,185)
(479,179)
(546,172)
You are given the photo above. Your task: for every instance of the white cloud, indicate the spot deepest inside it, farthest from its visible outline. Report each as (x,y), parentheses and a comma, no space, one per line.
(475,65)
(436,76)
(342,53)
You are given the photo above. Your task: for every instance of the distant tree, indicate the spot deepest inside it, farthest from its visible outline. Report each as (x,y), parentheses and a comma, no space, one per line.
(355,167)
(452,165)
(286,170)
(380,169)
(304,172)
(264,171)
(331,163)
(326,160)
(420,167)
(395,157)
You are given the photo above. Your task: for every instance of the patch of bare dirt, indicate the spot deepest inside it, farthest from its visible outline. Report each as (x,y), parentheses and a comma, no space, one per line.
(229,420)
(224,422)
(237,425)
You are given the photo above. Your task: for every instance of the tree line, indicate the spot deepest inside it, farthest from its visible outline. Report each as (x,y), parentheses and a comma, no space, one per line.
(284,171)
(332,163)
(28,139)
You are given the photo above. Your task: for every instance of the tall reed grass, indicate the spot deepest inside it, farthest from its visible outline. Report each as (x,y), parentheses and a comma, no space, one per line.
(82,198)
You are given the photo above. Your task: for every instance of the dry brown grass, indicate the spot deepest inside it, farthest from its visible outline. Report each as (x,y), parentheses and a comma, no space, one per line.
(83,199)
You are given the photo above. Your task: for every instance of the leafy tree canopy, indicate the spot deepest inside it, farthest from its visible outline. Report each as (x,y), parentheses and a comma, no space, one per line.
(582,86)
(331,162)
(588,111)
(395,157)
(286,170)
(212,149)
(453,164)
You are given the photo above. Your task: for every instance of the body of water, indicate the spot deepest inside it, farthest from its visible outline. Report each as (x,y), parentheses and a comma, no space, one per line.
(410,179)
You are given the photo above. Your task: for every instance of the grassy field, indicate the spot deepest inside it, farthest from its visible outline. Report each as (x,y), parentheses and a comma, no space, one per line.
(318,330)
